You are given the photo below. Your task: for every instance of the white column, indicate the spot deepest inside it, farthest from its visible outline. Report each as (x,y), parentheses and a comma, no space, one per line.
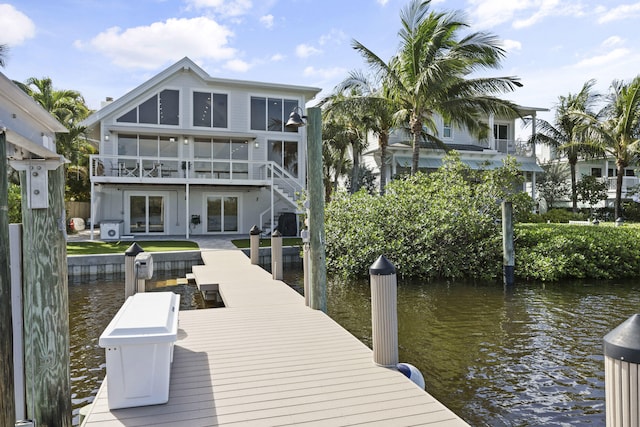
(492,138)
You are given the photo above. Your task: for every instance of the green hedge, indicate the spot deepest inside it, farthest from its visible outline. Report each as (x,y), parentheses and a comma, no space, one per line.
(552,252)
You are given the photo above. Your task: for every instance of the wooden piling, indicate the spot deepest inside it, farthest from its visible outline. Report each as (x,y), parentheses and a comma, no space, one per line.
(130,279)
(276,255)
(254,240)
(318,268)
(507,244)
(384,312)
(46,307)
(7,404)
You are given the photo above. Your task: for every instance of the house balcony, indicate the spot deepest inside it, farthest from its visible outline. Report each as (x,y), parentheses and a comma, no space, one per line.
(513,147)
(629,185)
(106,169)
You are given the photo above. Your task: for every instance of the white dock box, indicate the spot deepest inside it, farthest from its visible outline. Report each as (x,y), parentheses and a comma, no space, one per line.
(138,344)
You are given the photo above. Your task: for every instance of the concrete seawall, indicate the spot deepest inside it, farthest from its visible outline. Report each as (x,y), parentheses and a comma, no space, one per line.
(92,266)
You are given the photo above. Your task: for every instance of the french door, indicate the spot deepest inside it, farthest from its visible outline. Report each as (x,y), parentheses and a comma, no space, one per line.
(222,213)
(146,213)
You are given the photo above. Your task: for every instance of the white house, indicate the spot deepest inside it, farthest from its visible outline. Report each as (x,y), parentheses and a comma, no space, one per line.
(478,154)
(187,153)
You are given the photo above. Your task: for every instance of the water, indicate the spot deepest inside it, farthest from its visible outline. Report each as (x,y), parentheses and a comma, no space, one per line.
(530,357)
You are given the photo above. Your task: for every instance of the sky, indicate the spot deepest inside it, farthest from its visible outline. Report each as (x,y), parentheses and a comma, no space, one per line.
(105,48)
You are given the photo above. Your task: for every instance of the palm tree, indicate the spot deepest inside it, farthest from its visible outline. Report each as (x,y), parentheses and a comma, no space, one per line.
(615,130)
(68,106)
(376,110)
(429,73)
(563,135)
(347,125)
(335,143)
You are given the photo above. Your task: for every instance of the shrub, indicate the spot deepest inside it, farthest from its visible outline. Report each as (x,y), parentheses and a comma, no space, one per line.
(438,225)
(552,252)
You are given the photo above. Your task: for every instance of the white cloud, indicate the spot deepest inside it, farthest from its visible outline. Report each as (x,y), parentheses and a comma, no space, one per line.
(624,11)
(238,65)
(305,51)
(511,45)
(277,57)
(605,59)
(223,7)
(522,13)
(612,41)
(382,2)
(267,21)
(152,46)
(324,73)
(16,26)
(333,36)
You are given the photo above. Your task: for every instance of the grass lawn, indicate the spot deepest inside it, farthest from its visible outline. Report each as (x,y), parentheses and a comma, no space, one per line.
(265,243)
(95,248)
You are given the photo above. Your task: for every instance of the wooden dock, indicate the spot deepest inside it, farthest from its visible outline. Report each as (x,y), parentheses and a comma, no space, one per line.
(266,359)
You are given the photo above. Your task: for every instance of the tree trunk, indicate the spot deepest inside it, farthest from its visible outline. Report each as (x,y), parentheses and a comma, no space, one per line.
(574,195)
(355,172)
(46,308)
(416,129)
(618,202)
(384,141)
(7,402)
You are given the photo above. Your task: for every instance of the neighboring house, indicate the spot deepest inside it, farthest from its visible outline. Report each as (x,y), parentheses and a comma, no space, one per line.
(602,168)
(187,153)
(477,154)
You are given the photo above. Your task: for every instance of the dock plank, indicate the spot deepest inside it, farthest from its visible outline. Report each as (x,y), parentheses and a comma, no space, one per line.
(266,359)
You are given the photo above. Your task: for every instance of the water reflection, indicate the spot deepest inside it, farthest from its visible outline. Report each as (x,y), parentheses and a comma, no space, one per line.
(529,357)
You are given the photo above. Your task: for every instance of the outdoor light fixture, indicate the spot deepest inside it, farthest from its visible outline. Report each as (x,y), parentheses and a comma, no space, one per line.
(172,139)
(256,144)
(295,119)
(186,141)
(106,136)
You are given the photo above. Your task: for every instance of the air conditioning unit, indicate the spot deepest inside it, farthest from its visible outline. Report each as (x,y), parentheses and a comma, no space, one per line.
(111,230)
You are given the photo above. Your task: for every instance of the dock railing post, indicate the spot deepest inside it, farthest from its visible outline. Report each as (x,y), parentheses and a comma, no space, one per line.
(508,258)
(276,255)
(384,313)
(621,374)
(254,241)
(130,278)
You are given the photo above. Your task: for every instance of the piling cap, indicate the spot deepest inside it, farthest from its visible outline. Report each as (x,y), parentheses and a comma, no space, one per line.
(133,250)
(254,230)
(623,343)
(382,267)
(276,234)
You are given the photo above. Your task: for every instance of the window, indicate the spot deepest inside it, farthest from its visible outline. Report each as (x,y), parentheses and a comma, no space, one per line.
(285,154)
(162,108)
(597,172)
(629,172)
(271,113)
(447,132)
(210,109)
(501,131)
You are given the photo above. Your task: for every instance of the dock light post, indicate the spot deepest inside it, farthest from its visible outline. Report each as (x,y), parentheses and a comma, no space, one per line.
(315,189)
(130,279)
(255,244)
(276,255)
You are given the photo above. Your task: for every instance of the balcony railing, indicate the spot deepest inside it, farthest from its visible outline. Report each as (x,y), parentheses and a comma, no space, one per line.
(514,147)
(156,169)
(628,183)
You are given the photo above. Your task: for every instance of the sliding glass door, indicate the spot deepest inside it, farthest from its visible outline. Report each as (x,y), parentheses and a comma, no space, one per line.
(147,213)
(222,214)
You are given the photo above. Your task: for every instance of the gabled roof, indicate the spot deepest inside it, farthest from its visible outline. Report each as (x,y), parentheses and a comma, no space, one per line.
(187,65)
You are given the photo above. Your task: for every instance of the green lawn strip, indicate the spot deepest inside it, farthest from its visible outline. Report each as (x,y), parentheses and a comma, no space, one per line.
(266,243)
(97,248)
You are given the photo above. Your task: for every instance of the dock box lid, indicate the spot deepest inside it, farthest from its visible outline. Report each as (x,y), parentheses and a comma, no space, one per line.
(144,318)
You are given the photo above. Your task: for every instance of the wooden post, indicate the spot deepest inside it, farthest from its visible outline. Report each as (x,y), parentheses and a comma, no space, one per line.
(129,270)
(7,403)
(622,374)
(254,239)
(318,268)
(46,306)
(508,257)
(384,312)
(276,255)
